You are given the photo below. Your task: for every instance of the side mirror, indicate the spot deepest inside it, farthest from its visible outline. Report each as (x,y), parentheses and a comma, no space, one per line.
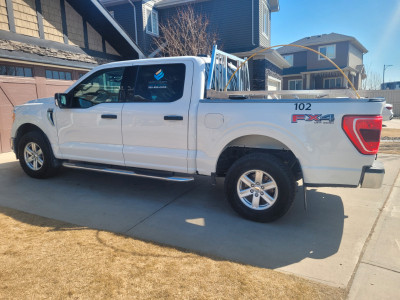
(63,100)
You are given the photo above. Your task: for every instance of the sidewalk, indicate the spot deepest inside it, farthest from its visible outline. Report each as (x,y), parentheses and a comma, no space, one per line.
(378,274)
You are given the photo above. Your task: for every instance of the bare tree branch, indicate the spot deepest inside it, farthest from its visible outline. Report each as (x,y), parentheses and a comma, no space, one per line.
(187,33)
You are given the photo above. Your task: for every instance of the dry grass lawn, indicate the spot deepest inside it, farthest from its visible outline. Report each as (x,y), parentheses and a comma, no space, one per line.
(43,258)
(390,132)
(390,147)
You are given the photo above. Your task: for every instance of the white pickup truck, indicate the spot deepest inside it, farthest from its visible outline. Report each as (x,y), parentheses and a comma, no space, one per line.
(153,118)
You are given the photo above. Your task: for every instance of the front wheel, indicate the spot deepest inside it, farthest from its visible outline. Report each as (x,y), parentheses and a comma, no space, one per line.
(260,187)
(36,157)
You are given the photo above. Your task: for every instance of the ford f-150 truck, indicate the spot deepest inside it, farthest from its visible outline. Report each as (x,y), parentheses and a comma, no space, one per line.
(153,118)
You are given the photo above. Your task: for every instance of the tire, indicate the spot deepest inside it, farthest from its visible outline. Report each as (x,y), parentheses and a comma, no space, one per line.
(261,200)
(36,157)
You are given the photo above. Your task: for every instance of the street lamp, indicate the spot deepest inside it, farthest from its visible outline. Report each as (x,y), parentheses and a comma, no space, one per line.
(384,70)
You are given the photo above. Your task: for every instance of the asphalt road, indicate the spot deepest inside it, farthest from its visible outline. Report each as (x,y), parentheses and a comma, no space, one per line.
(324,243)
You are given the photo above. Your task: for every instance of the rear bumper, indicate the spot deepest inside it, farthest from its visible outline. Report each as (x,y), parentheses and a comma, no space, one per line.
(372,177)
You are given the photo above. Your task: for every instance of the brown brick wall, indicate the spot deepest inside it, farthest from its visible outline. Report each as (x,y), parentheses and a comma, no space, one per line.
(95,40)
(25,17)
(74,27)
(52,20)
(3,16)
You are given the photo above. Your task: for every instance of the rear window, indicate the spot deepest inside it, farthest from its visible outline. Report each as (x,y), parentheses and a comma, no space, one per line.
(159,83)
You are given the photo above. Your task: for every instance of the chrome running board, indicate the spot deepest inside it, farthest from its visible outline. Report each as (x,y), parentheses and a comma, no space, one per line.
(89,167)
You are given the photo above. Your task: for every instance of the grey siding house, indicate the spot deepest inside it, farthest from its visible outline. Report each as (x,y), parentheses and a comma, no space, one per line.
(309,70)
(243,28)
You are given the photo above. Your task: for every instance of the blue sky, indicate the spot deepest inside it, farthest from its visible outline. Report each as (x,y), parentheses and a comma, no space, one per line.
(375,23)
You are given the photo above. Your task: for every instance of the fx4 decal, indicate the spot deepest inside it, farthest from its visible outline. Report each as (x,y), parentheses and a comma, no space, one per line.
(318,118)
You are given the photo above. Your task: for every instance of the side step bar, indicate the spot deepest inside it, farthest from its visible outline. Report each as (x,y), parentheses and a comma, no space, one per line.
(83,166)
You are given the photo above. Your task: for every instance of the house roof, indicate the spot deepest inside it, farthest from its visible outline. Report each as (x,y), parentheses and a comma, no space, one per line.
(271,55)
(322,39)
(99,18)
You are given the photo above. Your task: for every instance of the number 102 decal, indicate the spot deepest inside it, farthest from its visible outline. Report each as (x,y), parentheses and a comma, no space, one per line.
(302,106)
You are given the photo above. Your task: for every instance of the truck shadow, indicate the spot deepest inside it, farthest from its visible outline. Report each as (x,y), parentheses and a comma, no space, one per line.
(192,216)
(204,222)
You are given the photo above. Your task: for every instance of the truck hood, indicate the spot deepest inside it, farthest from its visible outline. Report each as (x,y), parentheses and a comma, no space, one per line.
(40,101)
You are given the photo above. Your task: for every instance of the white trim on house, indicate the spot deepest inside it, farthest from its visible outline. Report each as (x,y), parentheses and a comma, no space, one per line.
(154,28)
(323,46)
(118,27)
(265,23)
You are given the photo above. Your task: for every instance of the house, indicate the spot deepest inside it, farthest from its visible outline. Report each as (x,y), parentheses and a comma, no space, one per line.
(243,28)
(395,85)
(309,70)
(47,44)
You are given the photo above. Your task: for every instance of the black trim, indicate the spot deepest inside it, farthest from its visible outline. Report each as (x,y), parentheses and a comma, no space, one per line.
(85,34)
(10,13)
(109,116)
(173,118)
(39,18)
(64,21)
(330,185)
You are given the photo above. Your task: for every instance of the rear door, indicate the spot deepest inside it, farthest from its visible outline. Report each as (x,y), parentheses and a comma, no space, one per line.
(155,116)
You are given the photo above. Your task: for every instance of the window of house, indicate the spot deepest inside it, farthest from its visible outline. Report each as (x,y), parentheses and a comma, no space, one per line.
(158,83)
(15,71)
(152,21)
(296,84)
(332,83)
(289,59)
(61,75)
(329,51)
(266,20)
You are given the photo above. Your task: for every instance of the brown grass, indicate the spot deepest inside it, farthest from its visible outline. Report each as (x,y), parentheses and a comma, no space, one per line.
(390,132)
(44,258)
(389,147)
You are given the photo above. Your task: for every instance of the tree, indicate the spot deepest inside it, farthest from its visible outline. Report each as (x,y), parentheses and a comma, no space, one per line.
(373,80)
(186,34)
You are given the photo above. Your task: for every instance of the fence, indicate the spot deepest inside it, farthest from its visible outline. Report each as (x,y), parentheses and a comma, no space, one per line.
(391,96)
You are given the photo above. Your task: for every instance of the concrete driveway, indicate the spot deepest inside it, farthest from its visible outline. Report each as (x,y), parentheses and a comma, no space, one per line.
(322,244)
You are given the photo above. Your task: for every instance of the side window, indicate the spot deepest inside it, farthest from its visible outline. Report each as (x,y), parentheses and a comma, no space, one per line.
(159,83)
(102,87)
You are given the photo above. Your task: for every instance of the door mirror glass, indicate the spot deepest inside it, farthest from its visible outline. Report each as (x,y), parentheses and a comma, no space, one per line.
(63,100)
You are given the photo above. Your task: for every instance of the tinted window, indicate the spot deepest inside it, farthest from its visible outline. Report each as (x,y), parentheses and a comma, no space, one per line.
(159,83)
(102,87)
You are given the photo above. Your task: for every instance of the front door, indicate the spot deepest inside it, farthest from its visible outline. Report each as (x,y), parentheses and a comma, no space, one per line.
(91,129)
(155,117)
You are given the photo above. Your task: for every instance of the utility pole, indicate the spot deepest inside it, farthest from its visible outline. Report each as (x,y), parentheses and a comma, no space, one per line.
(384,70)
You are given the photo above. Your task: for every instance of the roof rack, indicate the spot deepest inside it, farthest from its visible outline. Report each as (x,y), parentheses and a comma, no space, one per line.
(222,66)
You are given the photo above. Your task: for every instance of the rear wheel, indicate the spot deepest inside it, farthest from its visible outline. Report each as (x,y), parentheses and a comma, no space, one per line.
(260,187)
(35,156)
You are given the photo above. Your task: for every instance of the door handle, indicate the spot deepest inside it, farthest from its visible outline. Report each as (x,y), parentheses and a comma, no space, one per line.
(173,118)
(109,116)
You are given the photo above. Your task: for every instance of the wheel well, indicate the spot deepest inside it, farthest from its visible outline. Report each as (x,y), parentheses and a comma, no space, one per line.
(232,154)
(24,129)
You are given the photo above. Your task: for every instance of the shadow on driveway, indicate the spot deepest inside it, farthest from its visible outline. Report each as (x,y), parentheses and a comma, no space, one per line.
(193,216)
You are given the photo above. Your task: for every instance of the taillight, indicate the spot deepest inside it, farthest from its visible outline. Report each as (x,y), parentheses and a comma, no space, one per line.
(389,107)
(364,132)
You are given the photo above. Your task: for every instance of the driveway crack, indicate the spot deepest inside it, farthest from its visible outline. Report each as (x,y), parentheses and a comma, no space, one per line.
(164,206)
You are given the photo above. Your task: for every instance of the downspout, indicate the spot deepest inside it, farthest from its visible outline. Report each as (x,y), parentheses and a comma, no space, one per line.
(252,22)
(134,17)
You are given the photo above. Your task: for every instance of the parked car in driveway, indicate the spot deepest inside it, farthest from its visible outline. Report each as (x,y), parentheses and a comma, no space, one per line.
(387,112)
(154,118)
